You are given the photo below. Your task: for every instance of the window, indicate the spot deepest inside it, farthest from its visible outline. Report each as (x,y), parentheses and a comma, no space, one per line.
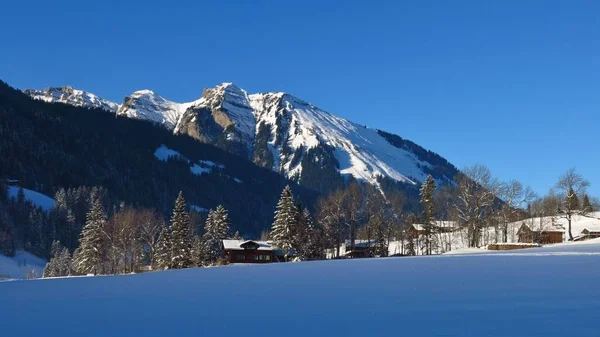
(262,258)
(240,257)
(255,257)
(268,257)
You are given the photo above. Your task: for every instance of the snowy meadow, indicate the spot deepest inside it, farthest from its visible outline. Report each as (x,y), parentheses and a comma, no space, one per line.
(549,291)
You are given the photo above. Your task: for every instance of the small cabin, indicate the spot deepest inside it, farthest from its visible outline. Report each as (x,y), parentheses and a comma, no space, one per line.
(587,234)
(248,251)
(361,248)
(552,233)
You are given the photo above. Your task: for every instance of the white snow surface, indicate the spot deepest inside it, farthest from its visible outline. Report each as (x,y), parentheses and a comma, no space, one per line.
(147,105)
(20,265)
(163,153)
(360,151)
(37,198)
(71,96)
(520,294)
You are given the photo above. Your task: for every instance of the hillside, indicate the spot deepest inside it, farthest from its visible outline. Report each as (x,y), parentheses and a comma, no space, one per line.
(285,134)
(48,146)
(547,292)
(21,266)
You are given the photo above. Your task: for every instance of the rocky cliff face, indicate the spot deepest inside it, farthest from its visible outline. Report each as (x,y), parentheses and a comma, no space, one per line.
(280,132)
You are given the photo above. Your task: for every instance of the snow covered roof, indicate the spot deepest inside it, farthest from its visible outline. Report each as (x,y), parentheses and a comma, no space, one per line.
(418,226)
(361,243)
(238,244)
(551,227)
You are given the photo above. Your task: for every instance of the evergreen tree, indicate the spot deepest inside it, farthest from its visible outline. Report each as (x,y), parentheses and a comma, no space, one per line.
(180,235)
(312,247)
(60,263)
(92,241)
(64,265)
(572,200)
(199,252)
(282,231)
(3,192)
(426,192)
(237,236)
(216,229)
(586,205)
(164,249)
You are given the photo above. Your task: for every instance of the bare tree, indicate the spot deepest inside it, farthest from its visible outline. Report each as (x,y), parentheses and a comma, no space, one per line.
(570,184)
(150,224)
(514,197)
(476,196)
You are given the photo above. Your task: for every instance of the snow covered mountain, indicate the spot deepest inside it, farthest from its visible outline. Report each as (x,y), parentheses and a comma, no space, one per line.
(72,96)
(147,105)
(280,132)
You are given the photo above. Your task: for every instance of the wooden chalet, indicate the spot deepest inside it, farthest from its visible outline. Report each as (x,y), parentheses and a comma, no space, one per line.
(251,251)
(587,234)
(416,230)
(552,233)
(361,248)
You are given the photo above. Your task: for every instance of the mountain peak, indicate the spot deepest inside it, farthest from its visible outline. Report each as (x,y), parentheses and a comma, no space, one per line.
(68,95)
(144,92)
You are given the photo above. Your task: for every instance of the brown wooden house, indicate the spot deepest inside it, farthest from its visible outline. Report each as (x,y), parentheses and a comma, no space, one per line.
(549,234)
(251,251)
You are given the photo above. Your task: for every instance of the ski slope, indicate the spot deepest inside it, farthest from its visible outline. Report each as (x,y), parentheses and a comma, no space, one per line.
(516,294)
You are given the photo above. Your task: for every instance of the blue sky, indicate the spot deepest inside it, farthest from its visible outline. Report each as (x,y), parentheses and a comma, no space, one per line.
(514,85)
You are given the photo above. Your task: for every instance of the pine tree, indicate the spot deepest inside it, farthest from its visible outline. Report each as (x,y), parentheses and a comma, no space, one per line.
(199,252)
(164,249)
(586,205)
(92,241)
(572,200)
(282,231)
(237,236)
(312,247)
(216,229)
(180,235)
(426,192)
(64,262)
(3,192)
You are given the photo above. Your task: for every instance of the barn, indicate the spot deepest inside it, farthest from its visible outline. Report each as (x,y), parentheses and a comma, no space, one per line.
(550,233)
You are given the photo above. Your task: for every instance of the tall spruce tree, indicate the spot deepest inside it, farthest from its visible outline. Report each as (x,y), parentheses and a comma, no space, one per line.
(282,231)
(216,229)
(426,192)
(586,205)
(164,249)
(181,235)
(92,241)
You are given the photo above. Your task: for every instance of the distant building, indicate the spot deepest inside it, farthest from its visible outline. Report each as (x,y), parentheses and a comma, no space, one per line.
(587,234)
(416,230)
(551,233)
(251,251)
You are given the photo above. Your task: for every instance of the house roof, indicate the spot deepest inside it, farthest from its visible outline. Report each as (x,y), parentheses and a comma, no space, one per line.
(551,227)
(361,243)
(438,224)
(237,244)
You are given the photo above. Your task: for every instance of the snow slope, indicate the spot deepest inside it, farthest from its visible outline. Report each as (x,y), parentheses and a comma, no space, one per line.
(72,96)
(38,199)
(228,114)
(147,105)
(512,295)
(19,266)
(163,153)
(361,152)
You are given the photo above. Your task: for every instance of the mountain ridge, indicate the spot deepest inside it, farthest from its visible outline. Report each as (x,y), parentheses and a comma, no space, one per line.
(277,130)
